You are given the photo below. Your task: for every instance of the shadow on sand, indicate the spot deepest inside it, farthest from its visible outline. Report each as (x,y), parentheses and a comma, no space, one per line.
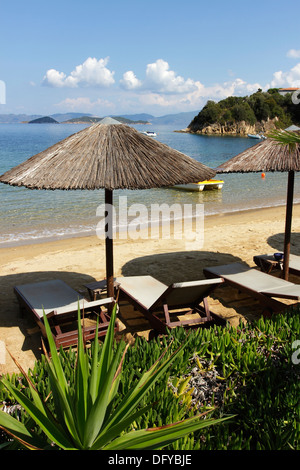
(177,266)
(277,242)
(187,266)
(9,308)
(166,267)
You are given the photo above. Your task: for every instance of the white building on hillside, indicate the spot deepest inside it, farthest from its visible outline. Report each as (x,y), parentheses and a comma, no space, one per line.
(284,91)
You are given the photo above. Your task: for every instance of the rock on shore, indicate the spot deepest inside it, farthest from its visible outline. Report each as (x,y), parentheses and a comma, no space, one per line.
(241,128)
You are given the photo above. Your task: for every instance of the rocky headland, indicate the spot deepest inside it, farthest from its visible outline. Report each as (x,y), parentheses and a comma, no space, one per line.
(239,116)
(241,128)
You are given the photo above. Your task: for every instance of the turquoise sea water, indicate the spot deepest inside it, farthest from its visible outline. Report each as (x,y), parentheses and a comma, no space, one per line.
(31,215)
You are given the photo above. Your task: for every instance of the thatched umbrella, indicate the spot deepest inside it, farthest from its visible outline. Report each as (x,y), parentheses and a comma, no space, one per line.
(266,156)
(109,156)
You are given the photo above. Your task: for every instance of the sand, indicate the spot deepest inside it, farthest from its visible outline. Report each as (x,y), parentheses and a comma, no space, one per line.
(77,261)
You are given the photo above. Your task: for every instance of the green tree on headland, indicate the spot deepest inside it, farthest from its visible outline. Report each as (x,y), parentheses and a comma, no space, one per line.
(258,107)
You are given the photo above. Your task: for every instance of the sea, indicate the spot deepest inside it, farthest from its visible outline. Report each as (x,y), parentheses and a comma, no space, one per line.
(33,216)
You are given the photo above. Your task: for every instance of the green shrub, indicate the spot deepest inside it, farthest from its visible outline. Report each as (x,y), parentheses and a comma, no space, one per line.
(259,106)
(247,372)
(87,411)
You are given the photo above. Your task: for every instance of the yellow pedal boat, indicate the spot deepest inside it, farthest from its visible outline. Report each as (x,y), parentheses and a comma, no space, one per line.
(201,185)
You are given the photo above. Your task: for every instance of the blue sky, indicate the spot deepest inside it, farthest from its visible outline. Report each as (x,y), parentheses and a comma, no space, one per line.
(158,57)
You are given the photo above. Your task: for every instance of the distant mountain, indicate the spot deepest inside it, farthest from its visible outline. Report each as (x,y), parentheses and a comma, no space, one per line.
(82,120)
(92,119)
(134,119)
(178,121)
(43,120)
(66,116)
(137,117)
(17,118)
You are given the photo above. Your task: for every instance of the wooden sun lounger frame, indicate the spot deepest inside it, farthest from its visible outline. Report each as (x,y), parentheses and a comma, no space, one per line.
(269,303)
(56,322)
(267,263)
(161,305)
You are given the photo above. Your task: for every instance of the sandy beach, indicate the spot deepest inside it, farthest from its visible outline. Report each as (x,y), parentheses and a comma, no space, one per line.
(227,238)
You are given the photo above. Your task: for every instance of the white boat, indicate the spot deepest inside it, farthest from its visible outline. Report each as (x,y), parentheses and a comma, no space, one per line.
(256,136)
(150,133)
(201,185)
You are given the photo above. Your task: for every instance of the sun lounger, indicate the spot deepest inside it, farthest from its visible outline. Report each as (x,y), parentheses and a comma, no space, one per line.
(267,262)
(60,303)
(261,286)
(151,297)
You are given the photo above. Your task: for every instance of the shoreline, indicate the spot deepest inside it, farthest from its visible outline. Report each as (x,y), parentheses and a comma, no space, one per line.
(90,233)
(228,238)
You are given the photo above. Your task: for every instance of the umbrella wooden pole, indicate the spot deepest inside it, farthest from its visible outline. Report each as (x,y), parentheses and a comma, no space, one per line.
(288,224)
(109,244)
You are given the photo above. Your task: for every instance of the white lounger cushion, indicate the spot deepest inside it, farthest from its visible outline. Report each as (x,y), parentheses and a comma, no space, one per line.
(256,280)
(148,291)
(294,262)
(190,292)
(144,289)
(54,295)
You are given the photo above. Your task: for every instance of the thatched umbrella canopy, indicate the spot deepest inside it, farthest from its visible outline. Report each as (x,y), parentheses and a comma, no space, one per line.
(109,156)
(266,156)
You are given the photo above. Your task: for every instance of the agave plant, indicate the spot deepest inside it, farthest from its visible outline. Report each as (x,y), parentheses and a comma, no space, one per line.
(88,414)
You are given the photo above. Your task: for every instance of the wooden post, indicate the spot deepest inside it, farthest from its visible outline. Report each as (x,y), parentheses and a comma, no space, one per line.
(288,225)
(109,243)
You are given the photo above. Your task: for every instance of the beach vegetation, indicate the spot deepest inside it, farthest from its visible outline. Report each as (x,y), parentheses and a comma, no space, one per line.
(87,411)
(250,372)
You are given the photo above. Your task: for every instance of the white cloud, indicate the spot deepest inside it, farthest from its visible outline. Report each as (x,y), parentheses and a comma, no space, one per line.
(291,78)
(84,104)
(294,53)
(160,78)
(199,95)
(237,87)
(92,72)
(54,78)
(159,90)
(163,88)
(129,81)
